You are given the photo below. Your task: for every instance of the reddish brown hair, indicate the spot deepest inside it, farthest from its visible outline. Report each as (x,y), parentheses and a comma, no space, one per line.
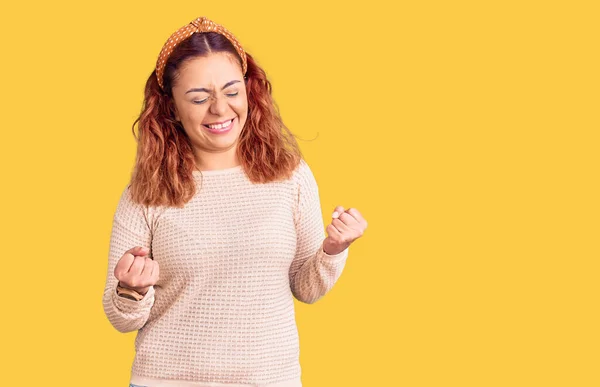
(163,173)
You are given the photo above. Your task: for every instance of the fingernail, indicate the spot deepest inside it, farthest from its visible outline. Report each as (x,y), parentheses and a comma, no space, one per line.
(335,214)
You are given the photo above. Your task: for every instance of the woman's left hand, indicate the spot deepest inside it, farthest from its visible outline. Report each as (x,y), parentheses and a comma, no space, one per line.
(346,226)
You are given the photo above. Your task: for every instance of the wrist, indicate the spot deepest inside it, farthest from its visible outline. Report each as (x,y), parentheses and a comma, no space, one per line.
(141,291)
(331,249)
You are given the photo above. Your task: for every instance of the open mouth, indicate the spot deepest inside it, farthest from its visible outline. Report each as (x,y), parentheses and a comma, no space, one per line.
(223,126)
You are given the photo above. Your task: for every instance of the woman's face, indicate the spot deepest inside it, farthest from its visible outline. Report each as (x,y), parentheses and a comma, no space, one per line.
(211,102)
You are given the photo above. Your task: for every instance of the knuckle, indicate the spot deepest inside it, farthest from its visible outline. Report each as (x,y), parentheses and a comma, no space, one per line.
(119,272)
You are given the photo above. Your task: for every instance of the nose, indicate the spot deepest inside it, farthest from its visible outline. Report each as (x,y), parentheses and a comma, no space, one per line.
(218,106)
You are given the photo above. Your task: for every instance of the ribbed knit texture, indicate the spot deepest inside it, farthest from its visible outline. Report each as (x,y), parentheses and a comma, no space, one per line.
(231,262)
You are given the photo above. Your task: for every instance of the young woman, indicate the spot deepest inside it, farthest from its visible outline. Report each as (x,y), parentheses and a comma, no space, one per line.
(220,227)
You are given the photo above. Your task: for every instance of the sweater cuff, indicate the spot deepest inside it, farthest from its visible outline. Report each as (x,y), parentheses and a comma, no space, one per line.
(339,257)
(130,306)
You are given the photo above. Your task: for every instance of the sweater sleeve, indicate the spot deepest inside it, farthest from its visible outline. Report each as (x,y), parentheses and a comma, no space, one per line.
(312,272)
(131,227)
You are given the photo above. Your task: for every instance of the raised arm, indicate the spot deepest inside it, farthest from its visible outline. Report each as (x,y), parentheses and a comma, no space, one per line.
(131,227)
(312,272)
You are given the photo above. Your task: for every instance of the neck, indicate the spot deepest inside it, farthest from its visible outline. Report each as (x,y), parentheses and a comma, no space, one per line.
(215,161)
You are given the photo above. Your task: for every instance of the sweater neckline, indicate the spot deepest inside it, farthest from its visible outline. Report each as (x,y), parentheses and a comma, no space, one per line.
(225,171)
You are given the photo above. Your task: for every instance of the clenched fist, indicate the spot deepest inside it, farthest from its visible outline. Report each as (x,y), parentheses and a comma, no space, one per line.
(346,226)
(136,271)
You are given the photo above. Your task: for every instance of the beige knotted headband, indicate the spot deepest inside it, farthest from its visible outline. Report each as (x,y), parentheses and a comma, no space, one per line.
(200,24)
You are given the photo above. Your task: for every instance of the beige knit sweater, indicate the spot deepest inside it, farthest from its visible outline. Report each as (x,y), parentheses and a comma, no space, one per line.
(231,262)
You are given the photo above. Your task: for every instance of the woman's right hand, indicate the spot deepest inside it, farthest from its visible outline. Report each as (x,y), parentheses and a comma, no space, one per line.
(136,271)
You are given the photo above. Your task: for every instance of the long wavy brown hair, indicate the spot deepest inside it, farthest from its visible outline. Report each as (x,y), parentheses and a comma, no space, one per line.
(165,161)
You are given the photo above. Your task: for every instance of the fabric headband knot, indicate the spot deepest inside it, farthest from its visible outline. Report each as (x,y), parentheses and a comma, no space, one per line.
(198,25)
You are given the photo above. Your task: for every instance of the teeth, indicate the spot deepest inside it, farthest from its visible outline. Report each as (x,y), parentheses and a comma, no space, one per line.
(220,126)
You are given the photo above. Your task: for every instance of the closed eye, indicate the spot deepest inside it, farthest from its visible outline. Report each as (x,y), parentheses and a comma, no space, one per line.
(206,99)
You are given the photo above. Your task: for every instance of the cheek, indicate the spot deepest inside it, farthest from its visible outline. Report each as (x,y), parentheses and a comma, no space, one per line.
(196,115)
(241,109)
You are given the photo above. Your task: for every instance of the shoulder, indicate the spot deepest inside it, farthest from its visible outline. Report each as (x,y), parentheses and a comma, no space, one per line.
(304,177)
(128,205)
(126,199)
(302,171)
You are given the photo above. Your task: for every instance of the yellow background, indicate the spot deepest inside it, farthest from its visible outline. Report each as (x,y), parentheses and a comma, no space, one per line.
(466,133)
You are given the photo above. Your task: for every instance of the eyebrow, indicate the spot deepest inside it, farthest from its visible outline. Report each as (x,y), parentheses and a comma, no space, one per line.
(208,91)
